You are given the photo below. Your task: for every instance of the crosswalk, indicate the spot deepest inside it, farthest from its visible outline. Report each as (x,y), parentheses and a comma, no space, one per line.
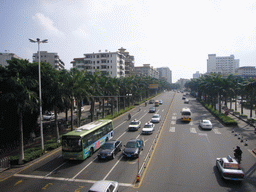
(194,130)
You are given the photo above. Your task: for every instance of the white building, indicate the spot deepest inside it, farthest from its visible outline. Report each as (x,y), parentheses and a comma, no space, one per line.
(51,58)
(7,56)
(129,62)
(197,75)
(225,65)
(112,63)
(165,73)
(146,70)
(246,72)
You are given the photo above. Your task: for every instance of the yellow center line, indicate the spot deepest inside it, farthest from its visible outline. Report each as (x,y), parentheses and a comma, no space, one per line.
(144,173)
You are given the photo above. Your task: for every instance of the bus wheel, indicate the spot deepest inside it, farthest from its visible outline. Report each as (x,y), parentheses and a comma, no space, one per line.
(91,152)
(106,139)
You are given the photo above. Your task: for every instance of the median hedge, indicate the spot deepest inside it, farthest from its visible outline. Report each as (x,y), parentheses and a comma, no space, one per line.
(226,120)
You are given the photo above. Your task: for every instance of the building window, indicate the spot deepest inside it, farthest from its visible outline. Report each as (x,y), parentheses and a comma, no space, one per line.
(98,61)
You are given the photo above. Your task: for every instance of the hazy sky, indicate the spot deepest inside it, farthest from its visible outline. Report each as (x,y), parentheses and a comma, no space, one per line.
(177,34)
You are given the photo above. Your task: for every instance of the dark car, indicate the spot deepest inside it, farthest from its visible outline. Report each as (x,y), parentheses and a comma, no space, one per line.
(152,101)
(152,110)
(132,148)
(110,149)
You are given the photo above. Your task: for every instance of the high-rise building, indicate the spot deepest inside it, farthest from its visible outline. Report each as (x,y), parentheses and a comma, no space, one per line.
(165,73)
(225,65)
(112,63)
(51,58)
(7,56)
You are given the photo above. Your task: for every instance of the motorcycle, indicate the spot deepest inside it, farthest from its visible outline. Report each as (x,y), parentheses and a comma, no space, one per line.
(129,116)
(238,157)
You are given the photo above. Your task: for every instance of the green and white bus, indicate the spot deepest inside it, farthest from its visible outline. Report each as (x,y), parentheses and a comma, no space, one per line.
(85,140)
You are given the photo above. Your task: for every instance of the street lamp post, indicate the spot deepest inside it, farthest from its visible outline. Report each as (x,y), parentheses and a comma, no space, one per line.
(40,94)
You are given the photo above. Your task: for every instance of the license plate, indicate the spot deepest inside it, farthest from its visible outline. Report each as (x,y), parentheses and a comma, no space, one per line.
(234,179)
(128,155)
(102,157)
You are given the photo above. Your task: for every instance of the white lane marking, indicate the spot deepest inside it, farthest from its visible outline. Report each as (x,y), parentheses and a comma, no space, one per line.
(112,168)
(174,117)
(172,129)
(173,122)
(216,131)
(174,114)
(192,130)
(84,168)
(55,169)
(191,123)
(204,134)
(120,125)
(163,110)
(66,179)
(120,136)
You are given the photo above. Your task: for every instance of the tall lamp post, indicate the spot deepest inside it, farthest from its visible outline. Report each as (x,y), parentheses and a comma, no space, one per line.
(40,94)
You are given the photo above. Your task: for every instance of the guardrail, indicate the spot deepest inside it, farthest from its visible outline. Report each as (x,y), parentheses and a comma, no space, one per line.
(4,164)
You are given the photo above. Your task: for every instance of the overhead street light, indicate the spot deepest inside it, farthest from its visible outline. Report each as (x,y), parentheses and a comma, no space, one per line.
(40,94)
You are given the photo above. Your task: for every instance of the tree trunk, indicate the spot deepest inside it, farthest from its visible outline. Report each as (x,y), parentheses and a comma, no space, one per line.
(72,120)
(56,126)
(21,151)
(92,109)
(103,107)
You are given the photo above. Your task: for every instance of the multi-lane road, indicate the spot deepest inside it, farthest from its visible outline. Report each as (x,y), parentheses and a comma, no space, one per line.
(181,157)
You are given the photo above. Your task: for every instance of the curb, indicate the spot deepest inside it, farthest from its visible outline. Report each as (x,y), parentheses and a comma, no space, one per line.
(254,151)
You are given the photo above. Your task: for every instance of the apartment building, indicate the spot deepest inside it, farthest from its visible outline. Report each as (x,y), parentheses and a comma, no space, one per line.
(197,75)
(146,70)
(112,63)
(165,73)
(246,72)
(225,65)
(51,58)
(129,62)
(7,56)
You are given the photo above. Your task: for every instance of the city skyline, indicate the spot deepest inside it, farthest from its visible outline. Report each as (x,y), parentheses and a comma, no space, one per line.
(178,35)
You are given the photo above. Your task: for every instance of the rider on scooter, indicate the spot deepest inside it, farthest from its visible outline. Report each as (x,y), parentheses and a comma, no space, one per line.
(238,152)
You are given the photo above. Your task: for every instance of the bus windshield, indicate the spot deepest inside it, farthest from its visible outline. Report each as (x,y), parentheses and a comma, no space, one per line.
(71,144)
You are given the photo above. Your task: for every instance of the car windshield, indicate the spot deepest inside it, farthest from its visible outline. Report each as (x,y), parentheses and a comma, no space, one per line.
(232,166)
(186,113)
(206,121)
(131,145)
(108,146)
(152,108)
(148,126)
(134,123)
(155,116)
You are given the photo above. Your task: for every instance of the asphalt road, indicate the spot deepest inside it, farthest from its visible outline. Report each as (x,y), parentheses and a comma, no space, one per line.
(183,157)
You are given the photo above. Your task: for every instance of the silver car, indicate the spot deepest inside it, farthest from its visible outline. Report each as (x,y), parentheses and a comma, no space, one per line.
(229,168)
(104,186)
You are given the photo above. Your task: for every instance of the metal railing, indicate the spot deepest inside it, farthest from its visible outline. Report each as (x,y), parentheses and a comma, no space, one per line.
(4,164)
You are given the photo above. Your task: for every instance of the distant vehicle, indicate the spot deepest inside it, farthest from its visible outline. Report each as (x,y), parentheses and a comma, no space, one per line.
(133,148)
(85,140)
(76,110)
(186,101)
(205,124)
(134,125)
(104,186)
(160,102)
(156,103)
(151,101)
(48,116)
(156,118)
(148,128)
(186,114)
(229,168)
(110,149)
(183,97)
(152,110)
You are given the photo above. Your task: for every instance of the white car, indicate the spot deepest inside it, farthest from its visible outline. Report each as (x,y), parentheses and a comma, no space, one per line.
(148,128)
(229,168)
(186,101)
(205,124)
(48,116)
(104,186)
(156,118)
(76,110)
(134,125)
